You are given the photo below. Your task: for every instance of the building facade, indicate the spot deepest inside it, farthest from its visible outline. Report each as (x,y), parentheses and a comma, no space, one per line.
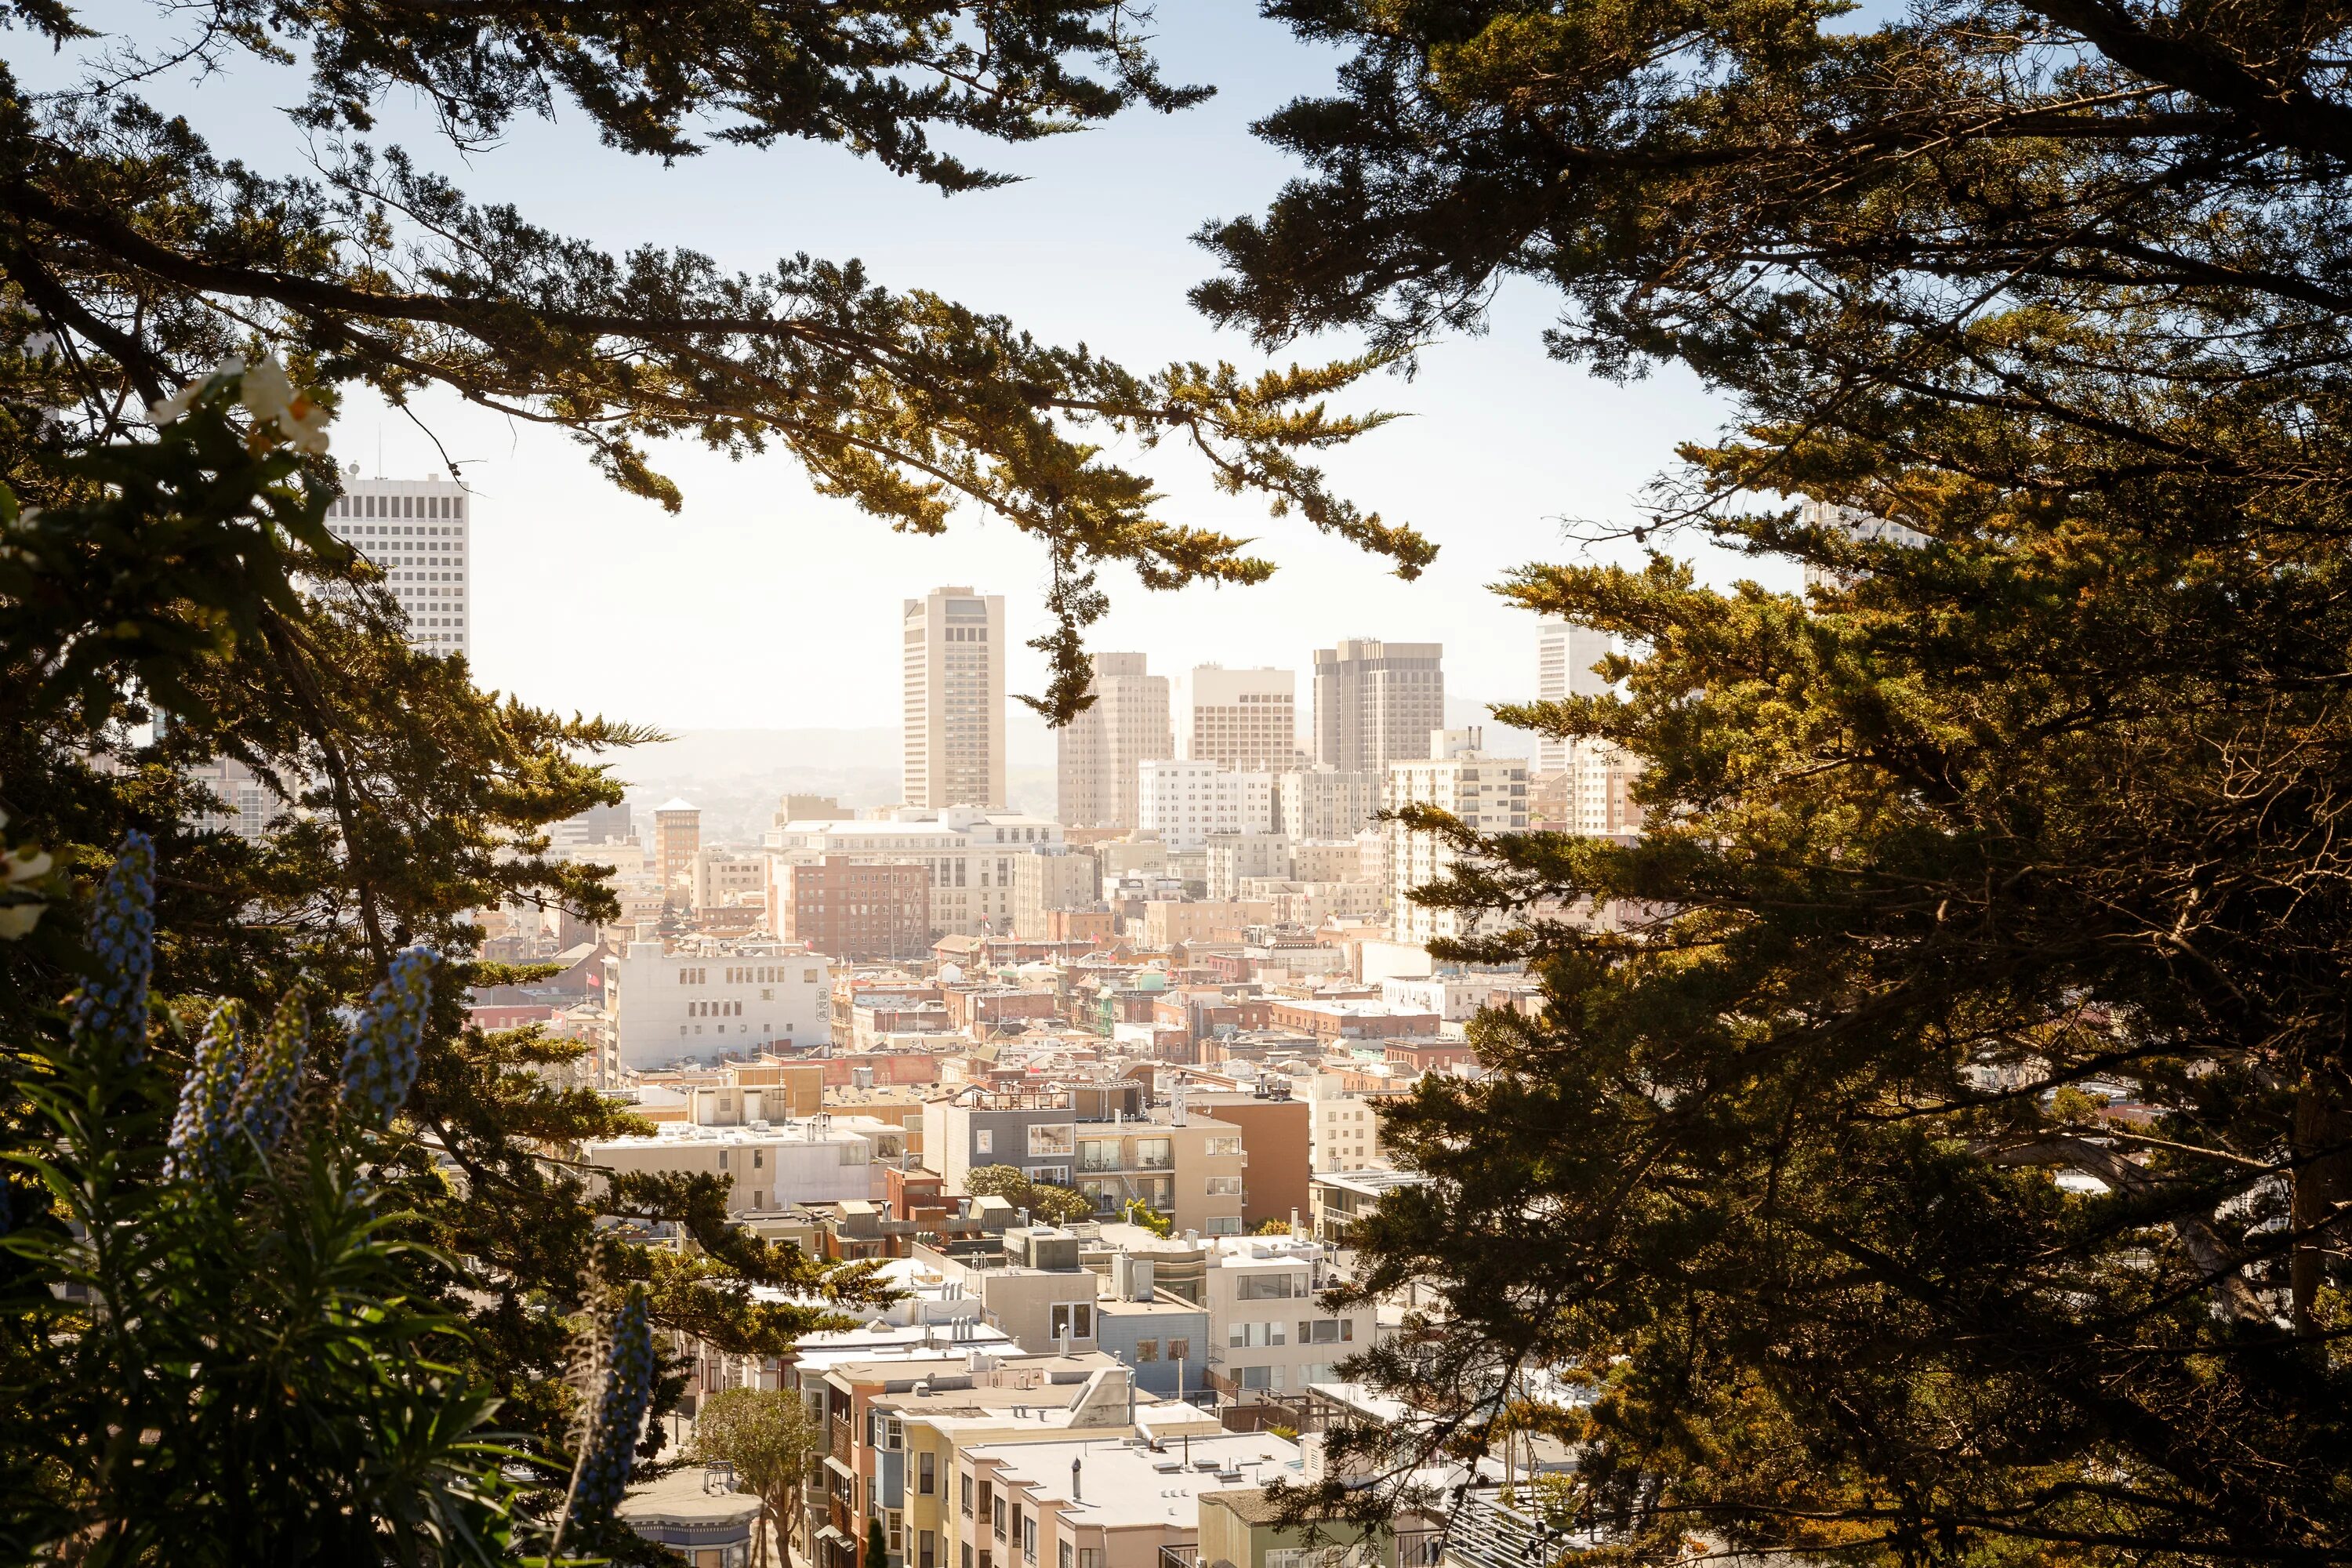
(420,531)
(968,854)
(953,739)
(1565,655)
(1049,880)
(677,840)
(1376,702)
(1185,801)
(1098,752)
(667,1006)
(1322,804)
(847,909)
(1244,720)
(1487,794)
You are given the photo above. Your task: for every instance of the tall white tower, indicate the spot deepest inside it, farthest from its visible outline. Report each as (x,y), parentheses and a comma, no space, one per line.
(1565,655)
(953,734)
(421,532)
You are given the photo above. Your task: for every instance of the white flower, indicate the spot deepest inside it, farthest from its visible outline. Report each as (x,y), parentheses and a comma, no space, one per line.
(17,920)
(177,405)
(265,391)
(23,866)
(268,392)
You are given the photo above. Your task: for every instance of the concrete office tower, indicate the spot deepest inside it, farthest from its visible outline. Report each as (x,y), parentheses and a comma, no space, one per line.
(677,838)
(1100,750)
(420,531)
(1243,721)
(954,724)
(1565,655)
(1376,702)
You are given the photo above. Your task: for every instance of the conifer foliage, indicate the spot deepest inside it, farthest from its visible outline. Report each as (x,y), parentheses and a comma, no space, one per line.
(1941,1151)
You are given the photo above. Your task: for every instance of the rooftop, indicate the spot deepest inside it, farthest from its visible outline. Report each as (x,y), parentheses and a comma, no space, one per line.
(1123,1482)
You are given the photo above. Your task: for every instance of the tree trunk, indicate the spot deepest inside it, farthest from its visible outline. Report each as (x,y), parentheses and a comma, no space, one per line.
(2323,1177)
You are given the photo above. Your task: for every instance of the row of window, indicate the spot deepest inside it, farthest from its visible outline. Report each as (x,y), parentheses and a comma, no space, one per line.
(397,506)
(1276,1332)
(749,974)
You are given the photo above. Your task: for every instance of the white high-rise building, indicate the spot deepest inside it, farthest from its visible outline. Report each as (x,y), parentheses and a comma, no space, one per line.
(421,532)
(1245,721)
(1324,805)
(1565,655)
(1185,801)
(1099,752)
(954,715)
(1487,794)
(1376,702)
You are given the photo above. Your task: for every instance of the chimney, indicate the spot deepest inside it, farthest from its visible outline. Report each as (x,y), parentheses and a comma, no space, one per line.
(1075,1468)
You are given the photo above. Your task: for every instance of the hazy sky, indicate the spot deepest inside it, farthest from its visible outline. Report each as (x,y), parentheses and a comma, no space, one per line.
(763,605)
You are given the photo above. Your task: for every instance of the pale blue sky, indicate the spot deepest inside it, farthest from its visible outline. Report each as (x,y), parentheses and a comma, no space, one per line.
(763,605)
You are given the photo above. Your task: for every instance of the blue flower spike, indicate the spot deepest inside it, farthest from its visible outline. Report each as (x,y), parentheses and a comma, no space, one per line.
(199,1147)
(380,1063)
(627,1393)
(111,1014)
(273,1075)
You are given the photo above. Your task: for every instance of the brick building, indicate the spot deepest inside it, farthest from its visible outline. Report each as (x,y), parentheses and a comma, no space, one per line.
(847,909)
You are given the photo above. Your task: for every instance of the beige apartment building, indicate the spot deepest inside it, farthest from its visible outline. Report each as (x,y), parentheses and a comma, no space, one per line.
(1167,922)
(1487,794)
(1376,702)
(1243,721)
(1098,752)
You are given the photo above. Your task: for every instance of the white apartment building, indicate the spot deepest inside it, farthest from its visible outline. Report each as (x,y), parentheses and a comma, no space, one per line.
(736,999)
(418,531)
(1268,1334)
(1098,752)
(1185,801)
(1376,702)
(1322,804)
(953,737)
(1487,793)
(1565,655)
(1600,779)
(1244,720)
(765,1166)
(969,853)
(1859,524)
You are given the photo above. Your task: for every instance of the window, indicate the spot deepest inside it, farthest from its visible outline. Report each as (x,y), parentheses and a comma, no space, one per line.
(808,977)
(1270,1287)
(1147,1350)
(1076,1318)
(967,1554)
(1089,1557)
(894,1436)
(984,1140)
(1224,1146)
(1258,1377)
(988,1500)
(928,1556)
(1155,1154)
(1029,1539)
(1051,1138)
(1067,1558)
(926,1477)
(964,1490)
(1326,1331)
(1222,1225)
(1180,1350)
(1224,1186)
(759,1159)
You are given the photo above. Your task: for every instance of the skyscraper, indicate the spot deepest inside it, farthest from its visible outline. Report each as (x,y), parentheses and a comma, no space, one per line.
(954,716)
(677,836)
(420,533)
(1376,702)
(1099,752)
(1565,655)
(1245,721)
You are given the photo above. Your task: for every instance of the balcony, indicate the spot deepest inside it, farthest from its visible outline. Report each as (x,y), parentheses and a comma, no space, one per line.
(1179,1557)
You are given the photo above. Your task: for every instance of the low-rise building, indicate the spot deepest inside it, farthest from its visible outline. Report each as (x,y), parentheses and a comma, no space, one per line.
(714,1001)
(766,1167)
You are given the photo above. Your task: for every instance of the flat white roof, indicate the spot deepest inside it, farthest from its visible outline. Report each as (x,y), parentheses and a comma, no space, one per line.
(1122,1484)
